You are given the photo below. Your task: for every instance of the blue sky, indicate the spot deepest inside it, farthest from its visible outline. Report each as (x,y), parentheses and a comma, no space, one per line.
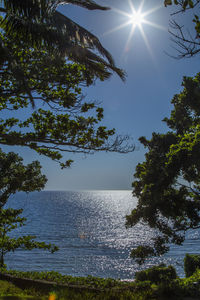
(135,107)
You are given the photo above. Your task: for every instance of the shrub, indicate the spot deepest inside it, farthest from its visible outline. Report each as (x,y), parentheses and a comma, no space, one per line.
(191,264)
(157,274)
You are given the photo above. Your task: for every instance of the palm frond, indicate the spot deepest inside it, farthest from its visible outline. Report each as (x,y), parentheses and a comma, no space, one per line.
(89,4)
(40,8)
(32,9)
(91,60)
(79,34)
(38,22)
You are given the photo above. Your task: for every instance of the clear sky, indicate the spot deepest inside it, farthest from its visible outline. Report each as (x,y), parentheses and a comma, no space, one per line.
(135,107)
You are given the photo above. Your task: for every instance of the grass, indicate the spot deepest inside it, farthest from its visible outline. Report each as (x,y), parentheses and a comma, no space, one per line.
(105,289)
(52,276)
(9,290)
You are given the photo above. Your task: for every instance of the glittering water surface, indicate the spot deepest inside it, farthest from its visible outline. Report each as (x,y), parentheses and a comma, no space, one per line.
(89,229)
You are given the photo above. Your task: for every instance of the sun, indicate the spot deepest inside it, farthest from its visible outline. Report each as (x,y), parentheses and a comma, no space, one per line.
(135,20)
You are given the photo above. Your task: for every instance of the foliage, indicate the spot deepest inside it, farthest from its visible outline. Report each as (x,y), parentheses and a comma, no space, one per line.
(184,4)
(41,101)
(179,288)
(40,24)
(167,183)
(182,287)
(9,290)
(157,274)
(191,264)
(61,119)
(10,219)
(52,276)
(15,177)
(88,288)
(34,72)
(191,285)
(143,294)
(187,43)
(173,288)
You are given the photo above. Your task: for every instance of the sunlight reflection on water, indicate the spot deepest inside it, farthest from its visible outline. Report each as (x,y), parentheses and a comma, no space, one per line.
(89,229)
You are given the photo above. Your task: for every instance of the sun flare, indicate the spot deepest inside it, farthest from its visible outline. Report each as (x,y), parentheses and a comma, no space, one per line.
(135,20)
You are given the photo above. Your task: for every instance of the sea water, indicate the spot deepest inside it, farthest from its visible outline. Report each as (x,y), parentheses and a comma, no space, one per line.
(89,229)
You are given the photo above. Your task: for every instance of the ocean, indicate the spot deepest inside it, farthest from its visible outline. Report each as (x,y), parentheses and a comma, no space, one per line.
(89,229)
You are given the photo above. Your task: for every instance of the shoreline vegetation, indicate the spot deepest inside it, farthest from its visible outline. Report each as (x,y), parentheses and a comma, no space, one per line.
(156,283)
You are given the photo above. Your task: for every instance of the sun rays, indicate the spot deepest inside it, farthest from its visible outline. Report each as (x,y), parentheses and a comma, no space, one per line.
(135,20)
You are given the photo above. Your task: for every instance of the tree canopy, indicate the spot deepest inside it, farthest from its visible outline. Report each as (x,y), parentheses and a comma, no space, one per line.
(167,183)
(16,177)
(61,119)
(40,24)
(46,60)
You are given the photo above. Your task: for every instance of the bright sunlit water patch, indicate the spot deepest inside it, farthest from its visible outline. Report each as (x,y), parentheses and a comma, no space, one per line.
(89,229)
